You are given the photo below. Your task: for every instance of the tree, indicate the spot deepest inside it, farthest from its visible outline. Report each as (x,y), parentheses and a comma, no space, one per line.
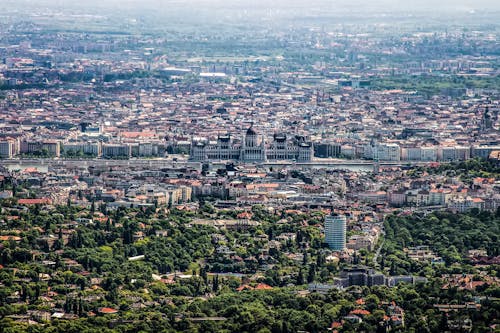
(215,283)
(300,277)
(312,273)
(203,274)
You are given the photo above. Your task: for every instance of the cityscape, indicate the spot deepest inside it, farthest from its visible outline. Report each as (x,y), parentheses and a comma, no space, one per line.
(225,166)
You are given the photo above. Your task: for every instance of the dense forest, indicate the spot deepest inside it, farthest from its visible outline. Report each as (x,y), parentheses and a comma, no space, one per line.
(449,235)
(159,271)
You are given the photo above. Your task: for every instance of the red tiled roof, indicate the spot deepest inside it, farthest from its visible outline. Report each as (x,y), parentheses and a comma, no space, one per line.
(260,286)
(360,312)
(263,286)
(360,301)
(137,134)
(107,310)
(30,170)
(336,324)
(39,201)
(244,287)
(245,215)
(9,237)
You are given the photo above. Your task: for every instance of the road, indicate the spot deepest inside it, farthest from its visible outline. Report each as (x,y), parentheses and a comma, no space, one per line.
(169,163)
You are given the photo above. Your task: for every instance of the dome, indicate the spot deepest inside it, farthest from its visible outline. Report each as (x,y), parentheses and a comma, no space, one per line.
(251,131)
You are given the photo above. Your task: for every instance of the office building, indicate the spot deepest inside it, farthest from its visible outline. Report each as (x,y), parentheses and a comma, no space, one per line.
(335,232)
(7,149)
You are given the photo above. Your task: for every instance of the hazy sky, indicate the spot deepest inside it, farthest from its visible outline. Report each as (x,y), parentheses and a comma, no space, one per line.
(173,13)
(361,4)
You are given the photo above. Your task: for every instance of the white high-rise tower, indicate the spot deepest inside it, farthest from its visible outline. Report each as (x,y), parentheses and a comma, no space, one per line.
(335,231)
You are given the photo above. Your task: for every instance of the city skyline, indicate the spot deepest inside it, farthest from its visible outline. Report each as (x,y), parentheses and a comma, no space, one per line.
(234,166)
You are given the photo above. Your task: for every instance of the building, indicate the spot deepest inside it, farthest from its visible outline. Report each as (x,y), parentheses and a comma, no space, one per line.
(387,152)
(382,151)
(327,150)
(361,276)
(253,148)
(463,204)
(397,198)
(438,196)
(428,154)
(147,149)
(420,253)
(455,153)
(348,151)
(376,279)
(483,151)
(411,153)
(335,232)
(111,150)
(358,242)
(7,149)
(82,148)
(44,148)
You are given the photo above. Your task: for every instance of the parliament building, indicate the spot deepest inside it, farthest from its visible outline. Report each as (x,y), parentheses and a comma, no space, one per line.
(253,148)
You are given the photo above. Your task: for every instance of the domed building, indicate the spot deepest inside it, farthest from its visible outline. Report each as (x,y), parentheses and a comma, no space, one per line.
(251,137)
(253,148)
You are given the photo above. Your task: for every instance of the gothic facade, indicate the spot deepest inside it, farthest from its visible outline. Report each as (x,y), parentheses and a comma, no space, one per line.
(253,148)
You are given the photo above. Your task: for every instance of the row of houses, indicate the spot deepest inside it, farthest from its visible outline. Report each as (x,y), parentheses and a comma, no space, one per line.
(396,152)
(55,148)
(10,147)
(454,198)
